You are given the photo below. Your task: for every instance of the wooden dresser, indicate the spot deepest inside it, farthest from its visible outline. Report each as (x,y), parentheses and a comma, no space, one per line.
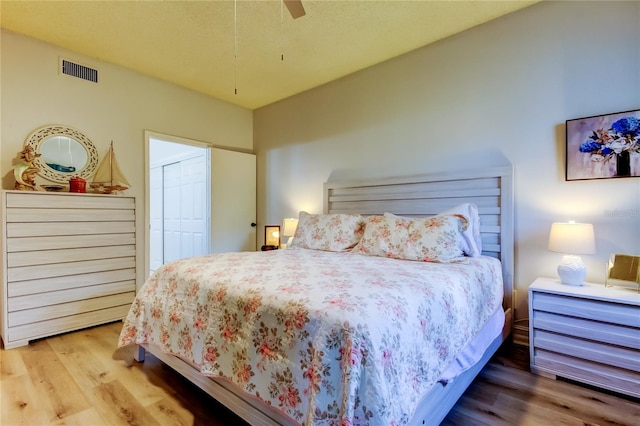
(68,262)
(586,333)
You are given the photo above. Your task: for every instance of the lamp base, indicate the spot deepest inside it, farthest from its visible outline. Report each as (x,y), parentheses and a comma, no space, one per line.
(571,270)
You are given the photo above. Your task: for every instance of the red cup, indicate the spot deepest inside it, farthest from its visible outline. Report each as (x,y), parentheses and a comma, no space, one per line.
(77,184)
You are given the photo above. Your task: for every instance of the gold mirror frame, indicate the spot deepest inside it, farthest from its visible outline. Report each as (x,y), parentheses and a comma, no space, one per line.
(41,135)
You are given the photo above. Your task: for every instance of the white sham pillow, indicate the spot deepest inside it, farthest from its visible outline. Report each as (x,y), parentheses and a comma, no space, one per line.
(472,244)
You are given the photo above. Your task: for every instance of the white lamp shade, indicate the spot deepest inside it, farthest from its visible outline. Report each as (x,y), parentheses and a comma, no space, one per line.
(289,227)
(572,238)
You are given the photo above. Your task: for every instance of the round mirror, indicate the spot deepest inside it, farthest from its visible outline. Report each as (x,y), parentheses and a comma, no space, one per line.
(64,153)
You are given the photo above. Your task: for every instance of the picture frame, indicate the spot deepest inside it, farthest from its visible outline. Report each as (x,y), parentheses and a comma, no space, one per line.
(623,270)
(603,146)
(272,235)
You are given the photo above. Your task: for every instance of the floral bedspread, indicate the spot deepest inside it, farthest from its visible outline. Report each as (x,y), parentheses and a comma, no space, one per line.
(326,338)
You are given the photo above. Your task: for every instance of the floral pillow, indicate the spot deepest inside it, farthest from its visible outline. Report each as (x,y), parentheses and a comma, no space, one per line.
(433,239)
(329,232)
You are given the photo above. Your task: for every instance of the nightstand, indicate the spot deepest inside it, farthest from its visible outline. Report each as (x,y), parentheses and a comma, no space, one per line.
(588,333)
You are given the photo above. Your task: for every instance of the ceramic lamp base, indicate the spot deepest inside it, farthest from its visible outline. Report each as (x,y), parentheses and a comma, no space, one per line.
(572,270)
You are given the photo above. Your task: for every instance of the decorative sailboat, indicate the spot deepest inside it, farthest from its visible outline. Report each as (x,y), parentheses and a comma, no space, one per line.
(109,178)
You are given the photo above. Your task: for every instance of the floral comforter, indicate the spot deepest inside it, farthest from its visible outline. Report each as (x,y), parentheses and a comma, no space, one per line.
(325,338)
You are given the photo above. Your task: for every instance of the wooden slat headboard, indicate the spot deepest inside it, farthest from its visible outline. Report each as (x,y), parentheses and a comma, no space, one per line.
(426,195)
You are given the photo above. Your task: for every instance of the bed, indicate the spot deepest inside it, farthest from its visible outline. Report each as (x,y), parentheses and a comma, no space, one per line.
(343,333)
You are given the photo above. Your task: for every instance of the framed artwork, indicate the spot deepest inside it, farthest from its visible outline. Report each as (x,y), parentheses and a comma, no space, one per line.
(604,146)
(623,270)
(272,235)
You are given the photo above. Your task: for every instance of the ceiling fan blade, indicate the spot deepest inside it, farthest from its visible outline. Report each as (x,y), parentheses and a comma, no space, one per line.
(295,8)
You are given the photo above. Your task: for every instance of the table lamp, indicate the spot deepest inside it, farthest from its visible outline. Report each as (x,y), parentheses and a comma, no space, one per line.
(572,239)
(289,230)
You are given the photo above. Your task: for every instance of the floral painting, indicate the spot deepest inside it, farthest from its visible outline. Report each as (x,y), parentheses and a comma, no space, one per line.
(604,146)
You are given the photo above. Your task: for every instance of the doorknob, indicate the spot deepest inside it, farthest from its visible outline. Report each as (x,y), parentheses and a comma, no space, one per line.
(253,224)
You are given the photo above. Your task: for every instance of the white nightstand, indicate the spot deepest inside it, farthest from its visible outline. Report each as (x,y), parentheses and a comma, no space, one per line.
(586,333)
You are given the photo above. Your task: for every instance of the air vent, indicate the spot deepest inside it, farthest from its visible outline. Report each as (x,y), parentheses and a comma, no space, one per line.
(77,70)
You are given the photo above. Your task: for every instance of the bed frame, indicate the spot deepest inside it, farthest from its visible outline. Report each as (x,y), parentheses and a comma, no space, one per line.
(420,195)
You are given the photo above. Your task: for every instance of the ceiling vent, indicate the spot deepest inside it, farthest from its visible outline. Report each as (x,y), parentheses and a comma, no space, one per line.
(77,70)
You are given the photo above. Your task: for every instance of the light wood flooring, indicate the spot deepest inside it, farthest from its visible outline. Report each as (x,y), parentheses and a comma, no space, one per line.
(81,378)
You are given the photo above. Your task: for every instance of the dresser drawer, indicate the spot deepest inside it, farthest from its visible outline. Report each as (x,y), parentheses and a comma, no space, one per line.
(26,273)
(46,313)
(588,350)
(601,375)
(605,332)
(45,229)
(69,241)
(27,215)
(31,301)
(44,257)
(67,201)
(588,309)
(24,333)
(45,285)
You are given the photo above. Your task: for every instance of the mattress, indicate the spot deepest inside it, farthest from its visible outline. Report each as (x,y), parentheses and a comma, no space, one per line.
(475,349)
(322,337)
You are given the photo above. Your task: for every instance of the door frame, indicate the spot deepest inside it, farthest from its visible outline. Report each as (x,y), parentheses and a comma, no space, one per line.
(148,135)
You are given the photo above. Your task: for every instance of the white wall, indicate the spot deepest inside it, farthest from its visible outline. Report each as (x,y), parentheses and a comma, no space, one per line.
(499,93)
(120,108)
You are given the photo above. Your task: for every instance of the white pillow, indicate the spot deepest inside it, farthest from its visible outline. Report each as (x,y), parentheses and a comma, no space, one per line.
(472,244)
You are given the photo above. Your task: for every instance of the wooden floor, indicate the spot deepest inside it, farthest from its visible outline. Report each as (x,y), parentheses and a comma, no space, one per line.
(81,379)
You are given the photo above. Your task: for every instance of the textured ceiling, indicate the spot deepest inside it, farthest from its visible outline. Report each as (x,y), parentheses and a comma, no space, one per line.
(192,43)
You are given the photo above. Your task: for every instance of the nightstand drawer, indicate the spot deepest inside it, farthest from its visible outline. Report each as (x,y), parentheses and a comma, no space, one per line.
(586,329)
(587,349)
(616,379)
(626,315)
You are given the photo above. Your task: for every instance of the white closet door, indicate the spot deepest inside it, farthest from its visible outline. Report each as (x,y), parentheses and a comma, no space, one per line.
(193,206)
(185,209)
(171,207)
(233,201)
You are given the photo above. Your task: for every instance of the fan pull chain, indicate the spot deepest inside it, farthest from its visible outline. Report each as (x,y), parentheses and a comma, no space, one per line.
(235,47)
(282,30)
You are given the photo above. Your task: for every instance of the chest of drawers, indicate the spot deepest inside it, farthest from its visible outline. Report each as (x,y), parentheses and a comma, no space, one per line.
(68,262)
(587,333)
